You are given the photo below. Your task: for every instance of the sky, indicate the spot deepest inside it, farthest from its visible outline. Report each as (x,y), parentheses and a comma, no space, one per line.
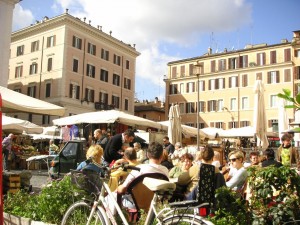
(170,30)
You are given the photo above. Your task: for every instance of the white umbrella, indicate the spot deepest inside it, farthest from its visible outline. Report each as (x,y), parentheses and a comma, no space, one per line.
(174,128)
(14,125)
(282,118)
(259,118)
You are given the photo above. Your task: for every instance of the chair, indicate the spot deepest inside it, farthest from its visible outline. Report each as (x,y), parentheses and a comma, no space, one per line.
(205,192)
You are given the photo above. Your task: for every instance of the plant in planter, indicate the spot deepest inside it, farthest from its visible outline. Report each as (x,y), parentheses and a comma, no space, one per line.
(274,195)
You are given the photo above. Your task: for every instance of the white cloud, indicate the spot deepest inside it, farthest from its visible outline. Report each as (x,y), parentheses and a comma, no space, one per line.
(21,17)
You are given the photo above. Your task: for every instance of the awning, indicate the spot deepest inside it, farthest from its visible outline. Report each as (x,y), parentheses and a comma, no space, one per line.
(18,126)
(13,101)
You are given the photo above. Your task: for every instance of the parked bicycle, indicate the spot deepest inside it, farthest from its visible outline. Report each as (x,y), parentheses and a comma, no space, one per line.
(98,210)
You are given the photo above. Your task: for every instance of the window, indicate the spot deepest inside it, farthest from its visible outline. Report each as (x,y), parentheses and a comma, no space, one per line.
(287,55)
(89,95)
(273,124)
(90,70)
(287,75)
(219,125)
(34,46)
(104,75)
(49,65)
(76,42)
(245,103)
(104,54)
(117,60)
(245,123)
(273,57)
(181,88)
(220,83)
(75,65)
(74,91)
(191,69)
(233,82)
(222,64)
(181,108)
(202,85)
(33,68)
(182,71)
(258,76)
(261,59)
(30,117)
(46,119)
(127,83)
(50,41)
(127,65)
(116,80)
(103,98)
(190,87)
(273,77)
(243,61)
(233,124)
(31,91)
(48,90)
(18,90)
(18,71)
(212,84)
(213,66)
(201,106)
(20,50)
(297,72)
(115,101)
(126,104)
(174,72)
(220,105)
(91,49)
(232,63)
(212,105)
(297,53)
(190,107)
(233,105)
(273,101)
(244,80)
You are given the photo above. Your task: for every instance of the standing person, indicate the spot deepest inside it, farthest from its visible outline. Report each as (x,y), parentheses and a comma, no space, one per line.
(103,139)
(6,150)
(286,153)
(168,145)
(53,148)
(113,150)
(97,136)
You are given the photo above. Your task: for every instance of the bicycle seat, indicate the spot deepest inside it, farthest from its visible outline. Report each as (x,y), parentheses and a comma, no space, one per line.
(157,185)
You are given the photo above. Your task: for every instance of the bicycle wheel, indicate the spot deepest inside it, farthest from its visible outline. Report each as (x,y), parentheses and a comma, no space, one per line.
(78,214)
(185,220)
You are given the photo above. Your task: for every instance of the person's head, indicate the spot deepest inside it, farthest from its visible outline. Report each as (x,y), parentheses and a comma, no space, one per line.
(130,154)
(103,132)
(286,139)
(186,161)
(51,142)
(11,135)
(155,151)
(137,146)
(236,159)
(128,136)
(254,158)
(97,134)
(207,154)
(95,152)
(177,145)
(216,156)
(166,140)
(269,153)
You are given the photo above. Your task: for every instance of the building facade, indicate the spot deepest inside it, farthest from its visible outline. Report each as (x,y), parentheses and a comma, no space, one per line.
(68,62)
(153,110)
(226,84)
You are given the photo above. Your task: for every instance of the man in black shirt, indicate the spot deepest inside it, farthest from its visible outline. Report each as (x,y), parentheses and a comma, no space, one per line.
(269,153)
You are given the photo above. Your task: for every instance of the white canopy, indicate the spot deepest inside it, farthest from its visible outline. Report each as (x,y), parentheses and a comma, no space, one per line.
(13,101)
(13,125)
(109,116)
(243,132)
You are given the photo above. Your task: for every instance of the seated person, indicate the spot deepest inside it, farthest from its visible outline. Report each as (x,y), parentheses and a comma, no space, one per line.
(254,161)
(165,160)
(216,159)
(270,159)
(154,153)
(184,166)
(140,153)
(240,176)
(207,155)
(118,175)
(94,155)
(53,148)
(177,154)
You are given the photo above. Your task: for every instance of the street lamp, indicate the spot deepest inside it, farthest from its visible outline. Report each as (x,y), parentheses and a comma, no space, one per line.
(197,71)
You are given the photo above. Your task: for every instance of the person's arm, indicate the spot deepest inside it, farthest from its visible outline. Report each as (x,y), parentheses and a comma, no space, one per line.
(113,149)
(237,179)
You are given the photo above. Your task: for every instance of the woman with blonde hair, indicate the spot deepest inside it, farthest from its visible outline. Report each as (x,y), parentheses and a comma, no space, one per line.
(93,155)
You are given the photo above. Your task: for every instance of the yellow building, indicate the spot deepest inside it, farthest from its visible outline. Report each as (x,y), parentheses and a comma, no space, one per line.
(226,84)
(68,62)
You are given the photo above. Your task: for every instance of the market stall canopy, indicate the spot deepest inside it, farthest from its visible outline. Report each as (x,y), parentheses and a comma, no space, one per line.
(18,126)
(109,116)
(213,132)
(244,132)
(13,101)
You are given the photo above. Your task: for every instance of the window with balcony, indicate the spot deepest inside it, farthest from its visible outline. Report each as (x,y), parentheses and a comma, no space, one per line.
(91,49)
(127,83)
(273,77)
(74,91)
(33,68)
(19,71)
(115,101)
(190,107)
(105,54)
(51,41)
(90,70)
(34,46)
(20,50)
(116,80)
(117,60)
(75,65)
(89,95)
(77,42)
(104,75)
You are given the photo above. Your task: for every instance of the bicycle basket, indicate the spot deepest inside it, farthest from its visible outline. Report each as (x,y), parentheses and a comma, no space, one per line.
(88,180)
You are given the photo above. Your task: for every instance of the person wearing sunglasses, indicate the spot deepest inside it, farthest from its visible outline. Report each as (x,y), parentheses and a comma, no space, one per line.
(236,159)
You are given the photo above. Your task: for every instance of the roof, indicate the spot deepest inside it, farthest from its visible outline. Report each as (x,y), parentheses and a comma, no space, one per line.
(143,108)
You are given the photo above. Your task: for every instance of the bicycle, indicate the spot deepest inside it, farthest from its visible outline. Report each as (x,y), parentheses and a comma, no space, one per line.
(98,210)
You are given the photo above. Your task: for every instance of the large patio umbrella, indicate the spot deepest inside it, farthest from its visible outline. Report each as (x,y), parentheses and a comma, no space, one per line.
(259,118)
(174,129)
(18,126)
(282,118)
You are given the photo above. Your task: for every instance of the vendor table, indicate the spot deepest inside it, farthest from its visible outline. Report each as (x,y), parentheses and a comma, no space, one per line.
(40,158)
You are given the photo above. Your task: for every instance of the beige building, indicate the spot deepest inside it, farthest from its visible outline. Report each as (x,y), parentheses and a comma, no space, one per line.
(68,62)
(226,84)
(151,110)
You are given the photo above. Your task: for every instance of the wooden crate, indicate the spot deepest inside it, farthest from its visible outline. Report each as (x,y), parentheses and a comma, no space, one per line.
(13,190)
(11,183)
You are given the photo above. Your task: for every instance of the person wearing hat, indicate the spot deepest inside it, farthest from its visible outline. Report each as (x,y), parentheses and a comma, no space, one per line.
(269,153)
(6,150)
